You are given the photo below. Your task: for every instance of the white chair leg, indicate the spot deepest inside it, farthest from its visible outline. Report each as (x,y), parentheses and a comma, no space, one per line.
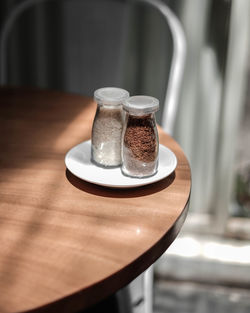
(148,289)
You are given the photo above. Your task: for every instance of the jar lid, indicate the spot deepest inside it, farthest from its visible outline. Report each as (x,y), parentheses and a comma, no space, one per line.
(141,104)
(110,95)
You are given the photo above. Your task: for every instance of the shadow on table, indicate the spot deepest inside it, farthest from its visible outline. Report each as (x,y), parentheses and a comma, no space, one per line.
(118,192)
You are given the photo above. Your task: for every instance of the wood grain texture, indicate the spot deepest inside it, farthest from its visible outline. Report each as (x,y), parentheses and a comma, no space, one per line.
(66,243)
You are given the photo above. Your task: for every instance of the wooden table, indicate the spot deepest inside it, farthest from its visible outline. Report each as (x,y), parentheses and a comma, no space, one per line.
(66,243)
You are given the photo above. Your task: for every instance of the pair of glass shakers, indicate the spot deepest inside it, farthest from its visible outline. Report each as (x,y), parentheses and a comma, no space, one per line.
(124,132)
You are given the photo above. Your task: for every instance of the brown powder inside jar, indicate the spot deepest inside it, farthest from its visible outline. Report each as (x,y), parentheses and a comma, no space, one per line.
(140,138)
(140,146)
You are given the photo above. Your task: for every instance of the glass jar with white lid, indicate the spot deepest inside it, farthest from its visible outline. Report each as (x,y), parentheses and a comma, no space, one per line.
(140,141)
(107,126)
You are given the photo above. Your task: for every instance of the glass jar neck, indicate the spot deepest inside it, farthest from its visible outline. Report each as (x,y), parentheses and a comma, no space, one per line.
(141,116)
(109,106)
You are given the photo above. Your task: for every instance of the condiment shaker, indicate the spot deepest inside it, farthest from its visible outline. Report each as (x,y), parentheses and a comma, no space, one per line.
(140,141)
(107,126)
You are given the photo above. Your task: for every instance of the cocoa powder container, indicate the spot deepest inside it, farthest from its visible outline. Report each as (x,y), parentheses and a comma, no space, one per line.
(140,141)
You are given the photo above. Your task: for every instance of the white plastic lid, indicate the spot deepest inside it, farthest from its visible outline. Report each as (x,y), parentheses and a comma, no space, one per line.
(110,95)
(141,104)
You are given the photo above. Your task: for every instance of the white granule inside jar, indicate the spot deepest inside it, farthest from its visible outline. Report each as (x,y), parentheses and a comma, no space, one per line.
(106,136)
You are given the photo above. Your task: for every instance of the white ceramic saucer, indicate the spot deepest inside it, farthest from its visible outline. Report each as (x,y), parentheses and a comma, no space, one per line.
(78,162)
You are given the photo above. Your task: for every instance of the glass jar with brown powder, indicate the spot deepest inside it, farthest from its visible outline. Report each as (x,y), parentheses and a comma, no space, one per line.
(140,142)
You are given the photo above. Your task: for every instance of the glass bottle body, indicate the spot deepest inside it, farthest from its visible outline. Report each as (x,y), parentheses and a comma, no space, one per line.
(140,145)
(106,135)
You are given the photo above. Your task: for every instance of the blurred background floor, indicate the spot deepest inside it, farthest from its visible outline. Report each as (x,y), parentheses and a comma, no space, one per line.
(202,274)
(188,297)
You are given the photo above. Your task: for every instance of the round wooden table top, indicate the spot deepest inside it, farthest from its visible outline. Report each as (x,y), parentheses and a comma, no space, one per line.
(66,243)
